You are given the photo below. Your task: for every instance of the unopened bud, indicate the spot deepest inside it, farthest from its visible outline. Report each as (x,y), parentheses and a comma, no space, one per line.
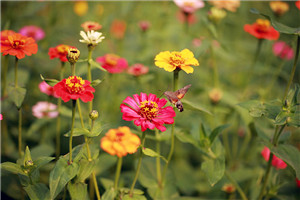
(215,95)
(73,55)
(94,114)
(215,15)
(228,188)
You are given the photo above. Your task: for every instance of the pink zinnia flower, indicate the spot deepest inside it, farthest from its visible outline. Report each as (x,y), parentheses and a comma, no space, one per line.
(112,63)
(47,89)
(276,162)
(144,25)
(189,6)
(138,70)
(33,31)
(147,111)
(44,109)
(1,117)
(282,50)
(190,18)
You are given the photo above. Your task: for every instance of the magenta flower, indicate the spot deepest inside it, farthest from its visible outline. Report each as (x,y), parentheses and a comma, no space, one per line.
(282,50)
(189,6)
(144,25)
(113,63)
(147,111)
(1,117)
(276,162)
(137,70)
(44,109)
(47,89)
(33,31)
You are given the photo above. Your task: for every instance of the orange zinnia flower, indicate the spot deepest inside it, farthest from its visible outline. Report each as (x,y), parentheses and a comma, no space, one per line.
(120,142)
(18,45)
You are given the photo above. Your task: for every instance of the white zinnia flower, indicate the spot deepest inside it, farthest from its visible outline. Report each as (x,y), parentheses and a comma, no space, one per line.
(92,37)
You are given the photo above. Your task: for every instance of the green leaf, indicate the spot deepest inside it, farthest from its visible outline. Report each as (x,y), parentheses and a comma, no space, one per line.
(294,119)
(151,153)
(12,168)
(104,166)
(36,125)
(78,132)
(50,82)
(107,183)
(192,106)
(40,162)
(85,169)
(259,109)
(38,191)
(288,154)
(278,26)
(16,95)
(97,129)
(109,194)
(95,64)
(216,132)
(78,191)
(61,175)
(96,82)
(42,150)
(134,197)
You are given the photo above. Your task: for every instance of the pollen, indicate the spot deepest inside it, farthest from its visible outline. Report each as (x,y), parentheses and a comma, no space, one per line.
(63,49)
(75,84)
(176,59)
(112,59)
(148,109)
(263,24)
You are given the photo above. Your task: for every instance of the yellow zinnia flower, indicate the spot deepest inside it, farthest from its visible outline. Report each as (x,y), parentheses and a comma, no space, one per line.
(176,60)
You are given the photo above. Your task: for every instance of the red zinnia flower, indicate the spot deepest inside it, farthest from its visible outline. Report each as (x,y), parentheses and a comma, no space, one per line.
(89,25)
(298,183)
(276,162)
(74,88)
(5,34)
(18,45)
(297,3)
(60,51)
(262,29)
(147,111)
(112,63)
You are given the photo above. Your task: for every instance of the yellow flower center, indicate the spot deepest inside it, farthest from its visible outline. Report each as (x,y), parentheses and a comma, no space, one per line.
(263,24)
(16,43)
(112,59)
(176,59)
(148,109)
(188,4)
(63,49)
(75,84)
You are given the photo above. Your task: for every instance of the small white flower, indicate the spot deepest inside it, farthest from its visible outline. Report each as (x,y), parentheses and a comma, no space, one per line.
(92,37)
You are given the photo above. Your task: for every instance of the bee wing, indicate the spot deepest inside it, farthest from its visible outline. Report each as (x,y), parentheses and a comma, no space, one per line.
(181,92)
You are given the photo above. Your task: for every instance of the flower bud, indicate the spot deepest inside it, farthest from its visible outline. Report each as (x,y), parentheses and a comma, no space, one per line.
(279,7)
(215,14)
(215,95)
(73,55)
(93,115)
(228,188)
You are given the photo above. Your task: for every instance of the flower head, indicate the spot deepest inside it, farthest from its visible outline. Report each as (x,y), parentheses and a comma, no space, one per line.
(282,50)
(298,182)
(33,31)
(279,7)
(215,95)
(176,60)
(80,7)
(216,14)
(91,38)
(137,70)
(5,34)
(120,142)
(47,89)
(113,63)
(89,25)
(74,88)
(118,28)
(144,25)
(73,55)
(189,6)
(60,51)
(44,109)
(228,188)
(147,111)
(94,115)
(18,45)
(230,5)
(297,3)
(1,117)
(276,162)
(262,29)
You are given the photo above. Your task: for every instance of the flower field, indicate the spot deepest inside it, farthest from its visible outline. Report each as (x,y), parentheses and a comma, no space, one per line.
(138,100)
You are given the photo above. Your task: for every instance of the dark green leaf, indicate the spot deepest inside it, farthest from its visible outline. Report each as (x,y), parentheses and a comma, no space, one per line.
(85,170)
(96,82)
(259,109)
(134,197)
(95,64)
(107,183)
(216,132)
(38,191)
(278,26)
(109,194)
(12,168)
(40,162)
(16,95)
(151,153)
(97,129)
(192,106)
(78,191)
(50,82)
(42,150)
(104,166)
(294,119)
(78,132)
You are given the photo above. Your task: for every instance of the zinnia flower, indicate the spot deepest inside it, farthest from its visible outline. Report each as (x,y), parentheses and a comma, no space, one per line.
(189,6)
(47,89)
(91,38)
(298,183)
(74,88)
(279,7)
(18,45)
(147,111)
(228,188)
(137,70)
(113,63)
(230,5)
(282,50)
(276,162)
(118,28)
(297,3)
(33,31)
(144,25)
(120,142)
(80,7)
(1,117)
(5,34)
(89,25)
(176,60)
(44,109)
(60,51)
(262,29)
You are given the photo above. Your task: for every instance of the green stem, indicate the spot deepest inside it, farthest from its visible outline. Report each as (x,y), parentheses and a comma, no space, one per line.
(158,170)
(293,69)
(96,185)
(138,165)
(16,72)
(215,68)
(4,75)
(73,69)
(118,171)
(175,79)
(239,189)
(89,76)
(72,129)
(20,132)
